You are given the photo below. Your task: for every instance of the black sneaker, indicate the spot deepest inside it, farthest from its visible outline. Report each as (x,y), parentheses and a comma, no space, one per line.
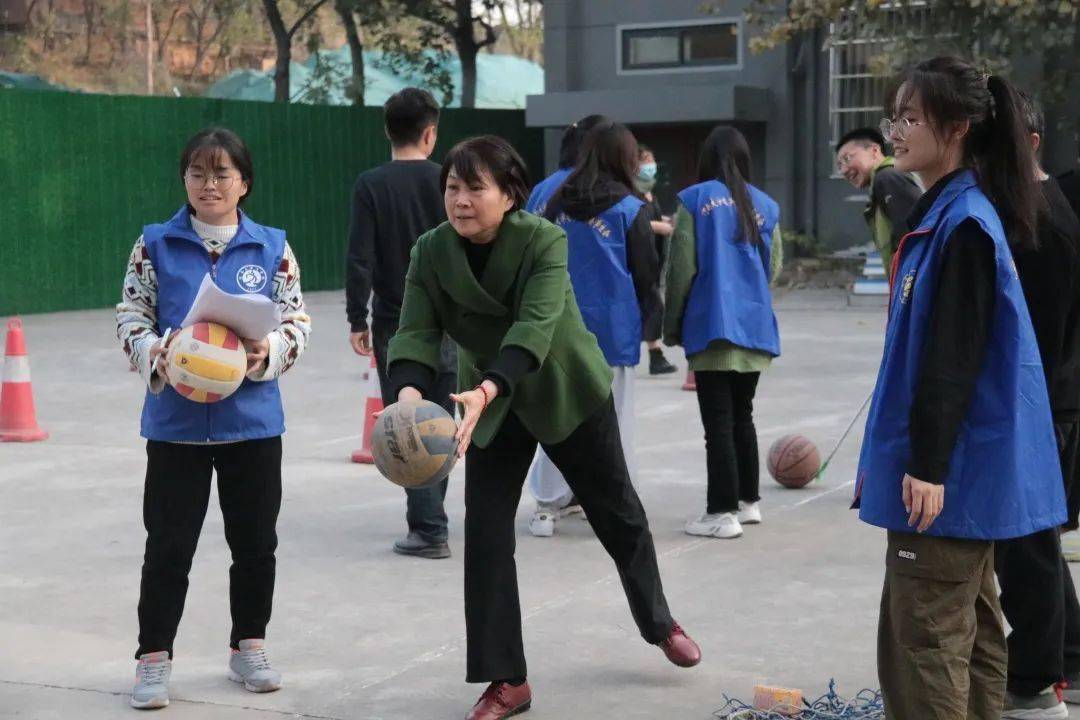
(658,364)
(414,544)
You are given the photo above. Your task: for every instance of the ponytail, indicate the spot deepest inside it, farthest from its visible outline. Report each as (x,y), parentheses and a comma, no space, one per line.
(952,92)
(726,157)
(1006,163)
(736,185)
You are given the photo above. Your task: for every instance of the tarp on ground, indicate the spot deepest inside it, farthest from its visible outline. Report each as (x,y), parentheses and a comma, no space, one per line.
(502,81)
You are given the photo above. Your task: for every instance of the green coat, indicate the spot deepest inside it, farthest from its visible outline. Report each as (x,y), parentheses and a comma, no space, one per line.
(524,299)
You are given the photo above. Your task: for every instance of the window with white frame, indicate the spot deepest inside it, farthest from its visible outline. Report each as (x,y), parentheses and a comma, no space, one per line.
(856,92)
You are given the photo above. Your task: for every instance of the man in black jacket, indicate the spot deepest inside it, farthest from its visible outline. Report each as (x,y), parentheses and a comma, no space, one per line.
(393,205)
(1037,593)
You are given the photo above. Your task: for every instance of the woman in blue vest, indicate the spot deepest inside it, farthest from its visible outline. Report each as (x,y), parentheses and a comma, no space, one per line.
(238,437)
(569,148)
(615,273)
(959,448)
(724,253)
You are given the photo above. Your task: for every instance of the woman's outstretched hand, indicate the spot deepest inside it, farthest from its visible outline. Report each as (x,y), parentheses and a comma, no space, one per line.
(473,403)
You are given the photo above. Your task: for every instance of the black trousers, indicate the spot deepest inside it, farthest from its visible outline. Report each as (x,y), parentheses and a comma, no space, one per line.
(592,462)
(1039,600)
(424,511)
(726,401)
(175,498)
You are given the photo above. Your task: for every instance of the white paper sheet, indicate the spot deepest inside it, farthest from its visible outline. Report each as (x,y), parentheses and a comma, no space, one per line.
(251,316)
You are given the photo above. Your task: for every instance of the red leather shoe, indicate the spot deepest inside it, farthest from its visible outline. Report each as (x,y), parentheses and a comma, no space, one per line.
(680,649)
(501,700)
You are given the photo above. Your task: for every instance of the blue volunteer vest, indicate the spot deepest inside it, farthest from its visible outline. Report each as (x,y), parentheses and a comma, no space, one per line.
(601,279)
(247,265)
(538,198)
(730,298)
(1004,477)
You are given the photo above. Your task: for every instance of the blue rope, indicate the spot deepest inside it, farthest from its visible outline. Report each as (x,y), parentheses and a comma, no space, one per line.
(866,705)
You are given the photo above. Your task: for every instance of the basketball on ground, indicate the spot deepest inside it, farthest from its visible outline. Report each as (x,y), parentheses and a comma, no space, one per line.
(206,362)
(413,443)
(794,461)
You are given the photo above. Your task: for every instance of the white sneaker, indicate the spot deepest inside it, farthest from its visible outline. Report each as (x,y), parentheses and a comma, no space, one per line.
(250,666)
(1047,705)
(1070,545)
(749,513)
(572,508)
(542,523)
(718,525)
(152,681)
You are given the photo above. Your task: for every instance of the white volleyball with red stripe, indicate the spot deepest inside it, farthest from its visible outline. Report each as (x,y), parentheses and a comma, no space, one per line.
(206,362)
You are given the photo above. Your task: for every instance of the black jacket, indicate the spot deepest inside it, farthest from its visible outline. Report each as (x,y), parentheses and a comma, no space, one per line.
(392,205)
(1050,277)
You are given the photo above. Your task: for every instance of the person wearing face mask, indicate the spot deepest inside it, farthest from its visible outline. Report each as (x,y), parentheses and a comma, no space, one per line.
(662,228)
(959,448)
(615,277)
(494,278)
(862,160)
(239,437)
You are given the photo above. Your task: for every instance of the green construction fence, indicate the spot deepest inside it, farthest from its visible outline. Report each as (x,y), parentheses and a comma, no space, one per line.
(81,174)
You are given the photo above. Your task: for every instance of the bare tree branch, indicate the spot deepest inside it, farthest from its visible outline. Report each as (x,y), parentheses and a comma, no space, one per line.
(307,14)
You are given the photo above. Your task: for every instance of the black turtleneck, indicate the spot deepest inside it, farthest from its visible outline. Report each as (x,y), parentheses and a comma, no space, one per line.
(955,342)
(511,365)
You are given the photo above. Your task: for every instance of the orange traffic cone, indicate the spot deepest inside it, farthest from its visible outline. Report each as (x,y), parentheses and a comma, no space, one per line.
(18,422)
(372,404)
(691,384)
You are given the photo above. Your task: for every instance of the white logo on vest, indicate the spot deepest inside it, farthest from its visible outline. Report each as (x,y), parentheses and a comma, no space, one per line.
(251,278)
(907,287)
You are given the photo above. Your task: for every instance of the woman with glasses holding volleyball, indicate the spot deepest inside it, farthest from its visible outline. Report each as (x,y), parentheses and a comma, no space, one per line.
(239,437)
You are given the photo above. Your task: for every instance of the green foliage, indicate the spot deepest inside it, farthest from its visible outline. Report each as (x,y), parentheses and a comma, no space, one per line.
(801,245)
(988,32)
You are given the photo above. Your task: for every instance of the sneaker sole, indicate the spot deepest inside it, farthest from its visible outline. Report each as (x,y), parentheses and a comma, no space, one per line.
(542,533)
(252,688)
(155,704)
(428,553)
(1060,712)
(749,522)
(712,534)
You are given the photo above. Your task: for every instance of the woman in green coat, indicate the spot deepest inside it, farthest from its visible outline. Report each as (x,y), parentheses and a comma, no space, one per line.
(494,279)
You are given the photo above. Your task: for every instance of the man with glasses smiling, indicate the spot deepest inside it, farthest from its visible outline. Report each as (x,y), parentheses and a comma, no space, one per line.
(861,159)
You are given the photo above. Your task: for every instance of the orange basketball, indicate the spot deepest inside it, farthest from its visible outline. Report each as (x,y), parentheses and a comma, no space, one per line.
(794,461)
(207,362)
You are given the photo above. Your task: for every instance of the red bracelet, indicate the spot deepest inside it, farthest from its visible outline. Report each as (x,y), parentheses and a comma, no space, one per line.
(480,387)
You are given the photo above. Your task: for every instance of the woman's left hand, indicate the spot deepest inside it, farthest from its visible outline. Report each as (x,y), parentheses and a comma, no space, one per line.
(923,501)
(473,403)
(257,352)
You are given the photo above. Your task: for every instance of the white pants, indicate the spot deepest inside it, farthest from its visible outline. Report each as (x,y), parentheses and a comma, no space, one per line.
(546,483)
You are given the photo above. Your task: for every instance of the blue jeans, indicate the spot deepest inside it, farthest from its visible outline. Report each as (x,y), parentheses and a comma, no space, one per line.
(424,506)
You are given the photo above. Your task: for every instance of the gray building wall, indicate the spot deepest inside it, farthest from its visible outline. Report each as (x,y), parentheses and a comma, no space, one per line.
(779,99)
